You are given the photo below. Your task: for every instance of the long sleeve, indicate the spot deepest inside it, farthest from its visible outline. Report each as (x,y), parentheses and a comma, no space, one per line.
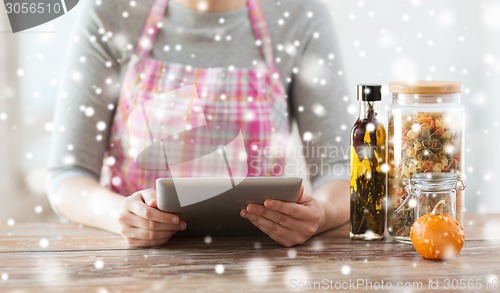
(85,104)
(318,96)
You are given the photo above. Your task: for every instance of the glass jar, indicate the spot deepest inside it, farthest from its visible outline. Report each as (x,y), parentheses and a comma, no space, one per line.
(426,126)
(425,190)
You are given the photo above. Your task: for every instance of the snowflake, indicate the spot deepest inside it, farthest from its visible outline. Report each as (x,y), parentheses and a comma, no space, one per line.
(5,276)
(296,274)
(116,181)
(102,290)
(258,271)
(317,245)
(292,253)
(345,270)
(89,111)
(207,239)
(202,6)
(370,127)
(43,243)
(319,110)
(412,203)
(76,76)
(38,209)
(11,222)
(145,43)
(351,109)
(101,125)
(307,136)
(68,160)
(99,264)
(219,269)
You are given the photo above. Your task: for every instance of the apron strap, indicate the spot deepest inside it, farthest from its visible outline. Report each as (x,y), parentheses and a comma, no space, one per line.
(259,25)
(261,32)
(153,24)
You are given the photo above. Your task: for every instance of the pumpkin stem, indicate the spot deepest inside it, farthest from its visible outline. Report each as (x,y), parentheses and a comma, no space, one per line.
(438,205)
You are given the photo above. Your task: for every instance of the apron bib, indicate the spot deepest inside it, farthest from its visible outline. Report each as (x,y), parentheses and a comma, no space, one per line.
(253,99)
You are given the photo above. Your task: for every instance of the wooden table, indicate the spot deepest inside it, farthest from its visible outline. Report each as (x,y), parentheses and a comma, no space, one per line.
(55,257)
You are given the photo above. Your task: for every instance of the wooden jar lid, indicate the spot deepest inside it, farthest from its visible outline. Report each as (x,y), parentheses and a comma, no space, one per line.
(426,87)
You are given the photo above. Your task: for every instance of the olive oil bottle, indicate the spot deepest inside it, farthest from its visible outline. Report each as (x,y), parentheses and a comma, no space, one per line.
(368,177)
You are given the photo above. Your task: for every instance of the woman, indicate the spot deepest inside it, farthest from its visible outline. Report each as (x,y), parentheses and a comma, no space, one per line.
(126,52)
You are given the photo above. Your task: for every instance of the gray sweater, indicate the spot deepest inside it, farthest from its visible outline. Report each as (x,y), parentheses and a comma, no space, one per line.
(105,37)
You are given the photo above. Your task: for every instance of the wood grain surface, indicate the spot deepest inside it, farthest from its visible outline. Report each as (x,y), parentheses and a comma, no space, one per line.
(53,257)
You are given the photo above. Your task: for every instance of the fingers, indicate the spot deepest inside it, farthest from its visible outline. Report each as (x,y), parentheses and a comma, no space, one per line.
(149,196)
(301,194)
(131,219)
(143,225)
(294,210)
(277,232)
(142,210)
(275,216)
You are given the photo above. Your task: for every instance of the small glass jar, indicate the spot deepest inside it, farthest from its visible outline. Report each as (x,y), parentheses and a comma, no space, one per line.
(425,190)
(426,126)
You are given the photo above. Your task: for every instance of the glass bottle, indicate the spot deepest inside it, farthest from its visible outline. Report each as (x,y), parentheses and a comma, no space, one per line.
(426,123)
(368,181)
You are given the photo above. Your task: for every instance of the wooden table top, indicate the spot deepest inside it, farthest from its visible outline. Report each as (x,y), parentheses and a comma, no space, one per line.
(55,257)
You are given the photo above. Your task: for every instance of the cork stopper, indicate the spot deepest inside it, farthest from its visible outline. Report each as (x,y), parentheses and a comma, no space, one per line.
(426,87)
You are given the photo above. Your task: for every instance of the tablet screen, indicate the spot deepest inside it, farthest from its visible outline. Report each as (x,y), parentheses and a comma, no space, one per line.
(214,209)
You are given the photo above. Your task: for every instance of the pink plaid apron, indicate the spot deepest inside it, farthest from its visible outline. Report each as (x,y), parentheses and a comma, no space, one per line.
(251,98)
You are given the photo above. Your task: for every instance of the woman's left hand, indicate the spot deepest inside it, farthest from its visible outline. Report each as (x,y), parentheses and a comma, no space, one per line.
(287,223)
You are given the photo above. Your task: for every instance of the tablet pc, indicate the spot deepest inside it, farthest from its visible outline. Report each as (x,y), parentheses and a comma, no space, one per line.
(219,215)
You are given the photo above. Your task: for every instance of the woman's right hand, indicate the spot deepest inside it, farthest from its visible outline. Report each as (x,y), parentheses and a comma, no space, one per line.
(142,224)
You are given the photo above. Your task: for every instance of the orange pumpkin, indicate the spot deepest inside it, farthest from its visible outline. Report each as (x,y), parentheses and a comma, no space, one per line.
(437,236)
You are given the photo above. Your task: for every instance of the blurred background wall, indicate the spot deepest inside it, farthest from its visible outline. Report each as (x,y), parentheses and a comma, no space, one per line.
(380,41)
